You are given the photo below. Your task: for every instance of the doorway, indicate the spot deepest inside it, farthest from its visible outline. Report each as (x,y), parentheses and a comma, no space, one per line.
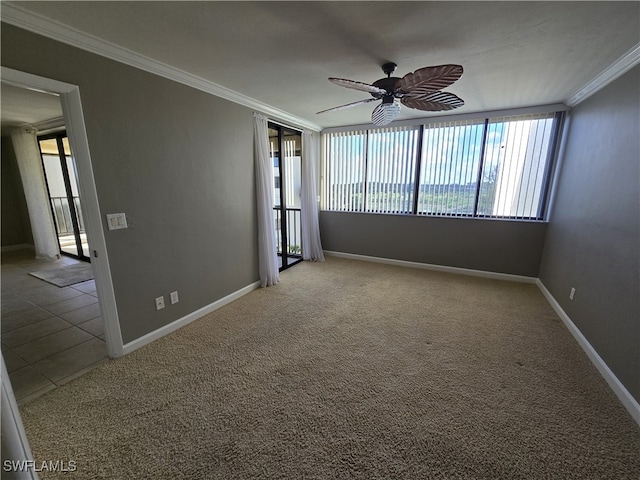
(61,178)
(285,146)
(52,324)
(72,115)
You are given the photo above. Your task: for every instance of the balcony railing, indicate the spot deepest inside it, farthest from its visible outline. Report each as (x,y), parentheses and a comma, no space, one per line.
(294,233)
(62,215)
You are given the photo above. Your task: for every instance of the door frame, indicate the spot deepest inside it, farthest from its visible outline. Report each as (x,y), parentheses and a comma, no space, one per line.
(74,121)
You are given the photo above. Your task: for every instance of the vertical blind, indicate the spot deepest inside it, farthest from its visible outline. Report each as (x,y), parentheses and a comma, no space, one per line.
(390,165)
(344,170)
(449,167)
(493,167)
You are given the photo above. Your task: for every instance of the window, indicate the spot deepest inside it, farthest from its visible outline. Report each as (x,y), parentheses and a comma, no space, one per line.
(494,167)
(449,168)
(344,170)
(391,167)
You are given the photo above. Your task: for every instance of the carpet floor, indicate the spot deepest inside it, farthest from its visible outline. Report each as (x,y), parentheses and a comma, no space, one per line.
(349,369)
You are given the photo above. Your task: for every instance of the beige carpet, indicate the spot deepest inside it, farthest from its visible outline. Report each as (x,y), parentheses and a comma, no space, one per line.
(345,370)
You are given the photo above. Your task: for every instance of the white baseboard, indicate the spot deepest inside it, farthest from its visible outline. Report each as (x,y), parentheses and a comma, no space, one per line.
(181,322)
(630,403)
(438,268)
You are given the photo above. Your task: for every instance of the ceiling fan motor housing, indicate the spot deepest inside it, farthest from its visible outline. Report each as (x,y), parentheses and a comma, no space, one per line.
(387,84)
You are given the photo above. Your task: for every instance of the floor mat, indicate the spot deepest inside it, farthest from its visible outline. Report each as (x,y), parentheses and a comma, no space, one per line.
(67,275)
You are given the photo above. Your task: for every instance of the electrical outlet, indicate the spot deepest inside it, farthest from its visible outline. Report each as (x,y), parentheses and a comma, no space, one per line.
(174,297)
(572,293)
(159,303)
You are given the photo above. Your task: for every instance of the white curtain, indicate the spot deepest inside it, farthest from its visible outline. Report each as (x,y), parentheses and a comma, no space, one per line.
(25,145)
(311,246)
(267,250)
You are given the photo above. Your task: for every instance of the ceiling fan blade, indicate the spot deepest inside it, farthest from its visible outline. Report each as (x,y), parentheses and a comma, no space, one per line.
(385,113)
(429,78)
(363,87)
(349,105)
(433,101)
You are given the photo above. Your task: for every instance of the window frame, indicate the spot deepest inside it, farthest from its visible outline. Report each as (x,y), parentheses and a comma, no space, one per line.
(556,114)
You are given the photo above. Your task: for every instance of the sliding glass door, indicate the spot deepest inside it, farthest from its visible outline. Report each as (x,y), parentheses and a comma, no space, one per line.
(64,197)
(285,150)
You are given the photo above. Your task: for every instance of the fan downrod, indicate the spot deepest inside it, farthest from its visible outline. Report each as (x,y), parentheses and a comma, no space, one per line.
(389,68)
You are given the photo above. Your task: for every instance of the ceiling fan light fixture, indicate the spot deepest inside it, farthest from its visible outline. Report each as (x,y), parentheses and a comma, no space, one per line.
(420,90)
(386,112)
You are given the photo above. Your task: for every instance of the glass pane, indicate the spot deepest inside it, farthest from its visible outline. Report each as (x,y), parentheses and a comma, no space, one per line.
(274,153)
(65,145)
(449,168)
(344,167)
(49,147)
(515,166)
(292,171)
(391,160)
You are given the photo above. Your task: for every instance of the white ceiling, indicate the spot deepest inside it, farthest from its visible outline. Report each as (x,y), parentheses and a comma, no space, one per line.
(27,107)
(515,54)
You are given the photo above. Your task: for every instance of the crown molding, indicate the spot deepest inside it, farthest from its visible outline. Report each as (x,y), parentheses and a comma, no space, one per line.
(22,18)
(608,75)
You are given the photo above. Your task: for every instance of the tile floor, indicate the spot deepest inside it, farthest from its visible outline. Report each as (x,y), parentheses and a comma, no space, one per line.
(49,334)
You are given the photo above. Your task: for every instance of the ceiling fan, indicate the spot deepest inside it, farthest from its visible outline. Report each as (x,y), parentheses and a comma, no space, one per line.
(420,90)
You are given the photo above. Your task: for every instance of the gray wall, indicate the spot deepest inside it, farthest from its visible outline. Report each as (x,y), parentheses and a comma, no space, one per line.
(479,244)
(15,228)
(593,239)
(177,161)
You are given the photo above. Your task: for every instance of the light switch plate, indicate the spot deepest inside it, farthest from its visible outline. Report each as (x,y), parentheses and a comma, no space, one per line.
(116,221)
(174,298)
